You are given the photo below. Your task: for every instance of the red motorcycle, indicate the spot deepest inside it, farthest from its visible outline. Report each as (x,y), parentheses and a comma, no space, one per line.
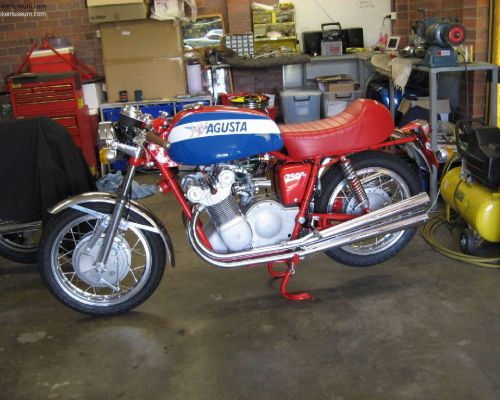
(251,192)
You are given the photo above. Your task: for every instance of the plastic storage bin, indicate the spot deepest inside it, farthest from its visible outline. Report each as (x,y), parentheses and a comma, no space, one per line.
(335,102)
(300,105)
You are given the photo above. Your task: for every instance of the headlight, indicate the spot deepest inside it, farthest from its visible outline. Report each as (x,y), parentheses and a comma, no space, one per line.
(131,116)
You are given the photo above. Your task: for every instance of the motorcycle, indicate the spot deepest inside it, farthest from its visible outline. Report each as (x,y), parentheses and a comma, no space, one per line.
(19,241)
(251,192)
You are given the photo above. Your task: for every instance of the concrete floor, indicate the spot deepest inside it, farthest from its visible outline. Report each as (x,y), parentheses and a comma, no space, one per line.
(418,327)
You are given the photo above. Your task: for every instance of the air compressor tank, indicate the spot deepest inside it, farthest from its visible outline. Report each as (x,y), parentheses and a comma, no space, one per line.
(477,204)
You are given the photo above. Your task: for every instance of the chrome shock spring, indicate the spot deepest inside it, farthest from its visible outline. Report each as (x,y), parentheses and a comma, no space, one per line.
(355,183)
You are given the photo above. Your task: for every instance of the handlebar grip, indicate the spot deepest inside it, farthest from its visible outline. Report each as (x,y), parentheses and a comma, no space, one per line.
(153,138)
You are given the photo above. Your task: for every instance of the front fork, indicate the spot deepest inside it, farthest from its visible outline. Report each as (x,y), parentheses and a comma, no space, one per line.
(123,196)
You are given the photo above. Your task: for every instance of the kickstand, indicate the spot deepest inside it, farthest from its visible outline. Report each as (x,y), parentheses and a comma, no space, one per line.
(285,276)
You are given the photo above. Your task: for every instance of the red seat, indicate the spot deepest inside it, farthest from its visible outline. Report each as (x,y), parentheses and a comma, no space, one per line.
(362,124)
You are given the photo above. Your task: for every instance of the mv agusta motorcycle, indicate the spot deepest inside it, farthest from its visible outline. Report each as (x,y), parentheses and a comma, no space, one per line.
(251,192)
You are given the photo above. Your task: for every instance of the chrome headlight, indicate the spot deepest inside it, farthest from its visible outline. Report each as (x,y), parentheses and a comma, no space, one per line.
(131,116)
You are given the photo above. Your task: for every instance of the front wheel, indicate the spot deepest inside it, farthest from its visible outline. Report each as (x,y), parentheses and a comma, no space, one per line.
(20,247)
(67,261)
(386,180)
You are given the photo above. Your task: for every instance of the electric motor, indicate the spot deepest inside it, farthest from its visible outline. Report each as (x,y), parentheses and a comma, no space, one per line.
(444,34)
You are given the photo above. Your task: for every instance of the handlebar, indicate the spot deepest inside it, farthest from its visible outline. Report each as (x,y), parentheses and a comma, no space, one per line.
(153,138)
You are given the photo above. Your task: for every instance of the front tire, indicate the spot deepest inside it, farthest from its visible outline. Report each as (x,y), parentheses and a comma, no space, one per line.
(134,268)
(21,247)
(386,180)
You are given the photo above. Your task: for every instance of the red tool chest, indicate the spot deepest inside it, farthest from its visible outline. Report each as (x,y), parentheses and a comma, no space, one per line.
(60,97)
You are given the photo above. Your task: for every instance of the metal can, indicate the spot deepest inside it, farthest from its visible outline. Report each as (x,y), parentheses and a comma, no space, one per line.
(123,94)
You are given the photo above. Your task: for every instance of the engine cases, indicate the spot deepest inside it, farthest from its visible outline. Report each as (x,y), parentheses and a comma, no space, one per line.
(270,223)
(478,205)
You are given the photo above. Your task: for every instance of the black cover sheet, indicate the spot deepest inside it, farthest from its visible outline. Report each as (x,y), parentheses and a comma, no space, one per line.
(39,166)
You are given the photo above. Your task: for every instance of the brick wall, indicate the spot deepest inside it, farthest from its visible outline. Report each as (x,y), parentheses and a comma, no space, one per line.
(473,14)
(65,18)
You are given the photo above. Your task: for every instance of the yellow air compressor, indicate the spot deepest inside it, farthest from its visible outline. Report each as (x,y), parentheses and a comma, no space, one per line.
(473,190)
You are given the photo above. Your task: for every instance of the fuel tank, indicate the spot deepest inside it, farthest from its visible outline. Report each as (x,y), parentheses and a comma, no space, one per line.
(211,135)
(476,204)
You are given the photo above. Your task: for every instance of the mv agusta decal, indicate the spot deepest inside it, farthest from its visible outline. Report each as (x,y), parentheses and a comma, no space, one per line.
(208,128)
(204,127)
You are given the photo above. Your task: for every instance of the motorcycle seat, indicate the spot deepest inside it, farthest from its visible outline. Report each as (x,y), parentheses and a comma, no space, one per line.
(362,124)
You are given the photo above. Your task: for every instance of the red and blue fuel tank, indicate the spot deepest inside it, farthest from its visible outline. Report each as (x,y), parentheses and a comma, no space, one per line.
(215,134)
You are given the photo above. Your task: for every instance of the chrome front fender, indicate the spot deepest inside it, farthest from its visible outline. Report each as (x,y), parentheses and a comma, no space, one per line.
(154,224)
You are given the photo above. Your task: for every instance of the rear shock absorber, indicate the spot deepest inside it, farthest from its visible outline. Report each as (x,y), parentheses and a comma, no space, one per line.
(355,184)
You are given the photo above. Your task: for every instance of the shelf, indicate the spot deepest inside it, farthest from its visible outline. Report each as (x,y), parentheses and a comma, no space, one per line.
(276,39)
(280,20)
(276,23)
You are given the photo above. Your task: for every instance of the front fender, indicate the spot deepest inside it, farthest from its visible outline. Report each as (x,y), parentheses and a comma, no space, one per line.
(155,225)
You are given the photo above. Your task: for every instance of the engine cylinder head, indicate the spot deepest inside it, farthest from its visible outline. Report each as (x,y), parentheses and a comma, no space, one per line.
(223,212)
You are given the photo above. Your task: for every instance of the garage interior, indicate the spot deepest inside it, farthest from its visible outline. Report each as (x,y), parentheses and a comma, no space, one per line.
(423,324)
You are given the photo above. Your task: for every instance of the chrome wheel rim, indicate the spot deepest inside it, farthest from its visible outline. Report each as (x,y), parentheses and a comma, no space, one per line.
(383,187)
(85,286)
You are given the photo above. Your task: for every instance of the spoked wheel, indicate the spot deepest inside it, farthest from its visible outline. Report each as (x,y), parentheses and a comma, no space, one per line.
(386,180)
(20,247)
(68,252)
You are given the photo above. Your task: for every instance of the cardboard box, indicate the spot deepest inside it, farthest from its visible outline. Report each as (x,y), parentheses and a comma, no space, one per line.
(101,11)
(336,83)
(143,55)
(443,106)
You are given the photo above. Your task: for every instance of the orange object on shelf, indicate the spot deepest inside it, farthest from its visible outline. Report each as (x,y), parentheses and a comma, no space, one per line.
(241,98)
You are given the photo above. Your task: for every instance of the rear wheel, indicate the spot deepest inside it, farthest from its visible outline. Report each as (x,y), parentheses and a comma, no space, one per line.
(386,180)
(67,260)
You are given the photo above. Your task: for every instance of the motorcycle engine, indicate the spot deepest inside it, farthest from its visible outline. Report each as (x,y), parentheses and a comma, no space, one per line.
(237,219)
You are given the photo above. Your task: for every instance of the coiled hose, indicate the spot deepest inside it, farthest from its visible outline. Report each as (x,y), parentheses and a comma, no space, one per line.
(428,233)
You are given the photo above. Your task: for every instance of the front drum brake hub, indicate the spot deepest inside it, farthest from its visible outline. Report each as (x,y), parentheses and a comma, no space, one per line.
(116,268)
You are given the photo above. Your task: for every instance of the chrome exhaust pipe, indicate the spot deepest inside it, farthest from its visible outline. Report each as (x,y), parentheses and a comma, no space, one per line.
(396,217)
(8,227)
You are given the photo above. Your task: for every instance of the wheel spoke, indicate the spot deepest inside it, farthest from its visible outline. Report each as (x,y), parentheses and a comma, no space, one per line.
(65,256)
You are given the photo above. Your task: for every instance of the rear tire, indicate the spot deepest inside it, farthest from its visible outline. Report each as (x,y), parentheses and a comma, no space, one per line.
(133,270)
(386,180)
